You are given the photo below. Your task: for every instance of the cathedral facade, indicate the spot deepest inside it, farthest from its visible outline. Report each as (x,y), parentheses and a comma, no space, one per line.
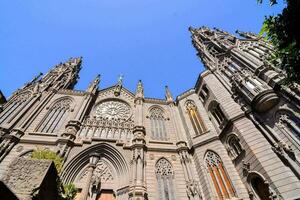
(235,135)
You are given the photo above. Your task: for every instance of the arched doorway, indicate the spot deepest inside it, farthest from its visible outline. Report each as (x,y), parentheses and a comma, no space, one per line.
(110,173)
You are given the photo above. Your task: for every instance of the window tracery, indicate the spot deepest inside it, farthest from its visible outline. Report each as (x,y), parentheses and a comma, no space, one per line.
(55,116)
(164,174)
(14,106)
(158,128)
(218,175)
(195,118)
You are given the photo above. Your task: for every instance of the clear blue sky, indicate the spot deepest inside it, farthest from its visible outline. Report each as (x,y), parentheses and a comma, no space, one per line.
(141,39)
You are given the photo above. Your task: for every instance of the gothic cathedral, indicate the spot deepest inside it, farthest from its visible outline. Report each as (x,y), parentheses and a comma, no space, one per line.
(235,135)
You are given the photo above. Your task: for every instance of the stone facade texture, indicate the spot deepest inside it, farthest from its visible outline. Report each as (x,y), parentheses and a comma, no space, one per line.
(235,135)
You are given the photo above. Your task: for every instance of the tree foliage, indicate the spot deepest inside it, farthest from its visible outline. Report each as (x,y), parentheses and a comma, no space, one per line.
(48,155)
(66,191)
(283,32)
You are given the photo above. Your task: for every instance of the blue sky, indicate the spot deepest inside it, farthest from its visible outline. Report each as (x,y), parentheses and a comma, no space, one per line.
(141,39)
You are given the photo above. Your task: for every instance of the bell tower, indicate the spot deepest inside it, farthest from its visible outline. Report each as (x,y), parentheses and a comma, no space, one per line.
(237,63)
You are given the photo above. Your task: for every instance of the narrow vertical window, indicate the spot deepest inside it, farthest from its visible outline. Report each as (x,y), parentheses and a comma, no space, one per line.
(158,128)
(216,112)
(219,177)
(195,118)
(55,116)
(13,107)
(235,148)
(165,175)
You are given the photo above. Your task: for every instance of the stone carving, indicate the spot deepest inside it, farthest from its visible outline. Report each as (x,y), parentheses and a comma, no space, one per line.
(113,110)
(102,173)
(212,159)
(164,168)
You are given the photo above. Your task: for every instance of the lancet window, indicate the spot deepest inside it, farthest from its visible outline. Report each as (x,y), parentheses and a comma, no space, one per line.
(55,116)
(204,93)
(235,148)
(195,118)
(165,175)
(13,106)
(217,113)
(158,128)
(219,177)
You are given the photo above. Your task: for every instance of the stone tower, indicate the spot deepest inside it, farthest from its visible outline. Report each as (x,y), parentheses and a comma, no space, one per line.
(235,135)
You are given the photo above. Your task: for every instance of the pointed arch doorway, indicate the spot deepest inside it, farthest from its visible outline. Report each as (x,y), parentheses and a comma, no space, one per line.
(101,179)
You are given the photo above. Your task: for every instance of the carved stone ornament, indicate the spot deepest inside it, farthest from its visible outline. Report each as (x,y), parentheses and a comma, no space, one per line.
(113,110)
(102,173)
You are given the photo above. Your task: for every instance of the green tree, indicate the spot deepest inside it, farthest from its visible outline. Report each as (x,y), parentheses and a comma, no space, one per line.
(283,32)
(66,191)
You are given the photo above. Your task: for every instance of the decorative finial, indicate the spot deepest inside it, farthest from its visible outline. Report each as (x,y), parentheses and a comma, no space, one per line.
(139,90)
(119,85)
(120,79)
(169,97)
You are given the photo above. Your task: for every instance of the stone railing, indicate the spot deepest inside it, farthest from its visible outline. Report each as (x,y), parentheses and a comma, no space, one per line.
(106,129)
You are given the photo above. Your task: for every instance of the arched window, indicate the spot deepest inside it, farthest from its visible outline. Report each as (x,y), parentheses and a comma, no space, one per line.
(259,186)
(219,176)
(55,116)
(290,123)
(158,128)
(234,146)
(13,106)
(165,175)
(216,112)
(195,118)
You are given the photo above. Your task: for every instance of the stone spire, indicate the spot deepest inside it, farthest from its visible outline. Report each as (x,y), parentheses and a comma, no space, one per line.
(94,84)
(168,95)
(34,80)
(63,75)
(248,35)
(119,86)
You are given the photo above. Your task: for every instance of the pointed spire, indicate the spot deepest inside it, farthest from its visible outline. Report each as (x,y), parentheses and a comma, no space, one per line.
(248,35)
(94,84)
(139,90)
(34,80)
(168,95)
(64,75)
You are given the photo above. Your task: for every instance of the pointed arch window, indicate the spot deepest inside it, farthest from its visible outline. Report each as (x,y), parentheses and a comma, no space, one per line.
(234,146)
(217,113)
(158,128)
(195,118)
(259,186)
(218,175)
(55,116)
(165,175)
(13,106)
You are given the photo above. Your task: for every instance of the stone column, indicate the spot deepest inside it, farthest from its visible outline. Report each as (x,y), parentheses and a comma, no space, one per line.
(137,190)
(192,187)
(92,165)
